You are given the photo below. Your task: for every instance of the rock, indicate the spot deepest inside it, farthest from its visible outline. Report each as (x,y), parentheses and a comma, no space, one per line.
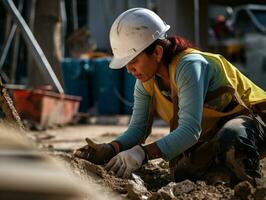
(166,192)
(136,188)
(167,195)
(185,186)
(155,196)
(172,190)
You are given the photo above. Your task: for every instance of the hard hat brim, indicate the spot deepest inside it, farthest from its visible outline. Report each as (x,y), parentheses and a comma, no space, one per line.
(118,63)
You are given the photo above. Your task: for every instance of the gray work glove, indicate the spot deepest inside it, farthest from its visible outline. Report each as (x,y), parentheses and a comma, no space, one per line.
(124,163)
(98,154)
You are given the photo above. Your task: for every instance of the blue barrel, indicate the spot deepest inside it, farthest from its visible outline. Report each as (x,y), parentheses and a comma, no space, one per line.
(129,84)
(107,87)
(76,80)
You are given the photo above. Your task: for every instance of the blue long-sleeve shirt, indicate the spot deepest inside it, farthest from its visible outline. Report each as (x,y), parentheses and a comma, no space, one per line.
(194,77)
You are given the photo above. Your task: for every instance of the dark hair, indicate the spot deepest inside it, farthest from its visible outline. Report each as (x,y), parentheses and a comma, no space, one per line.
(171,47)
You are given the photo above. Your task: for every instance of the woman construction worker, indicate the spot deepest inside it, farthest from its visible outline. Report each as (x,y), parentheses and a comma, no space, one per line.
(216,115)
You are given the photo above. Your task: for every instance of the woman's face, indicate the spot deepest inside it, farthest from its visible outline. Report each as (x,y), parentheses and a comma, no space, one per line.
(144,66)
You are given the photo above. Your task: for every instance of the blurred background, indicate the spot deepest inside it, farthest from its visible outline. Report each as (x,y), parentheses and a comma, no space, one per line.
(74,38)
(54,57)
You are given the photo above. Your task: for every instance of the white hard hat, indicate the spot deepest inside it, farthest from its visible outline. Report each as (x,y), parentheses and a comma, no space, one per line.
(132,32)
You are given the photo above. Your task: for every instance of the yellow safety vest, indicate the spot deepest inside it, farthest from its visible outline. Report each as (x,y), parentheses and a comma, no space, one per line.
(246,94)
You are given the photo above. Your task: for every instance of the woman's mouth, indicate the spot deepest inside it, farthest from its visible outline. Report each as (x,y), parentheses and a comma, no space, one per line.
(138,76)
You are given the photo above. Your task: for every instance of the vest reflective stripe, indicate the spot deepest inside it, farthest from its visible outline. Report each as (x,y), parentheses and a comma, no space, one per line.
(246,93)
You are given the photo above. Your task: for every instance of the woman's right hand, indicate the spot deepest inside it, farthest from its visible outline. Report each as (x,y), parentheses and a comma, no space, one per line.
(98,154)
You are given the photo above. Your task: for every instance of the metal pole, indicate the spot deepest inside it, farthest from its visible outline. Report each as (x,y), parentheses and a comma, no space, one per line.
(31,20)
(15,50)
(64,24)
(10,38)
(39,56)
(15,54)
(31,14)
(74,14)
(196,22)
(7,45)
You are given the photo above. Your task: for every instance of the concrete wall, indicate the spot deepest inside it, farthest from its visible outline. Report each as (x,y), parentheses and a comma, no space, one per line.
(182,16)
(179,14)
(101,15)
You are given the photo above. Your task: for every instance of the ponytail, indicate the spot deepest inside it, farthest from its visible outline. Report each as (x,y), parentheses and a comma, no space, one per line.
(171,47)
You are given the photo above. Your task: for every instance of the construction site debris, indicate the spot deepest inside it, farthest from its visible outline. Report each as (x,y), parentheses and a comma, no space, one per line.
(8,112)
(151,182)
(137,188)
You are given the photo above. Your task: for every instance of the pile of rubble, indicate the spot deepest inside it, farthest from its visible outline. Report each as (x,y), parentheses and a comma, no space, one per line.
(153,182)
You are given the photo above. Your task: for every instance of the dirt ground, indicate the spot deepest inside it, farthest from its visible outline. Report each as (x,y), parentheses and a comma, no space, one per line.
(151,182)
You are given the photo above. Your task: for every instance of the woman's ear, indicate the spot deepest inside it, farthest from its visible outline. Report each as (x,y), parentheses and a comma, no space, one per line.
(158,53)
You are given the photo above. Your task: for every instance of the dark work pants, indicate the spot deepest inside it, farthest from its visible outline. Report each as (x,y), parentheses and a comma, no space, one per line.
(238,146)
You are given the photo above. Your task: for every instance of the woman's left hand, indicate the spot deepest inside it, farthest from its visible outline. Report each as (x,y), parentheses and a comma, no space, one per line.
(124,163)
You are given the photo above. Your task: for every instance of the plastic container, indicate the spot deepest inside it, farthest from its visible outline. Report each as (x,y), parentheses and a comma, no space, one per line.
(129,84)
(77,74)
(107,87)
